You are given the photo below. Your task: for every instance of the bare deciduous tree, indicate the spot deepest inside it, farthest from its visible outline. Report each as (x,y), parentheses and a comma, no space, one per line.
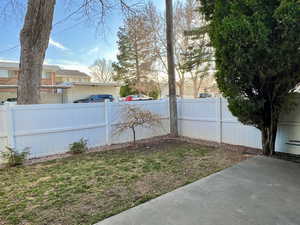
(198,78)
(102,71)
(134,117)
(197,57)
(185,18)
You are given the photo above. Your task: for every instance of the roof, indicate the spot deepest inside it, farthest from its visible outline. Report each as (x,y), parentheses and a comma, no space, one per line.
(15,65)
(67,85)
(91,84)
(7,86)
(71,73)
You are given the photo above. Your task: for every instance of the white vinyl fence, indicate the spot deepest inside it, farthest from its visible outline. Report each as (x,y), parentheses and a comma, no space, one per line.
(49,129)
(210,119)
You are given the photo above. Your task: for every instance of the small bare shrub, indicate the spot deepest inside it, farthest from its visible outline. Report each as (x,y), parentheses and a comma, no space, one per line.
(78,147)
(134,117)
(13,157)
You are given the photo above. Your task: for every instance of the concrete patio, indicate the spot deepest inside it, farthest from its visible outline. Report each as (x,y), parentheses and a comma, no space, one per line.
(259,191)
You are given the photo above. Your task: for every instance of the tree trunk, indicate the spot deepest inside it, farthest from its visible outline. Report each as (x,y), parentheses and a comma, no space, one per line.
(195,88)
(180,85)
(171,69)
(34,38)
(134,135)
(269,138)
(137,66)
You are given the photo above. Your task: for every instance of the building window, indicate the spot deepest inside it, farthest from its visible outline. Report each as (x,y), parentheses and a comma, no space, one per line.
(7,73)
(46,75)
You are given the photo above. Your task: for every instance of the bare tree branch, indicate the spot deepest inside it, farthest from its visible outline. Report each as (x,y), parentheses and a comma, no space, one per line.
(102,71)
(135,117)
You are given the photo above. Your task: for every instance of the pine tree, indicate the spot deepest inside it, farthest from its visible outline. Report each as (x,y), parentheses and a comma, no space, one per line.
(125,67)
(136,53)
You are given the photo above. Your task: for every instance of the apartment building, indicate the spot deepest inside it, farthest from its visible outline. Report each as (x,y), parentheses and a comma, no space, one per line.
(63,76)
(57,85)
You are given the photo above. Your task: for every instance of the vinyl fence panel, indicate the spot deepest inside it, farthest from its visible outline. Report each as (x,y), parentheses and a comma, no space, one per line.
(50,129)
(234,132)
(3,127)
(198,118)
(117,115)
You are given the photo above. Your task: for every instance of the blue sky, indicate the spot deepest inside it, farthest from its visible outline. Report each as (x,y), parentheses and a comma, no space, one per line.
(75,43)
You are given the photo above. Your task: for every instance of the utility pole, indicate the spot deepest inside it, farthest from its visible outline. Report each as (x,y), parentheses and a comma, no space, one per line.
(171,69)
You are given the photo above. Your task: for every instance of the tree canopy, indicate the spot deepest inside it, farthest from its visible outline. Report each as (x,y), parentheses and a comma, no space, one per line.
(257,51)
(137,57)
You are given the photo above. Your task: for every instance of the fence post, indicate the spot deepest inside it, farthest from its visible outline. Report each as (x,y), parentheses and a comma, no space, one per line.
(180,116)
(219,119)
(10,128)
(107,109)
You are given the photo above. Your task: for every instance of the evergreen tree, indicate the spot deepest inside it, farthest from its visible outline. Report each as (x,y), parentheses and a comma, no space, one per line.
(126,90)
(136,54)
(257,51)
(125,67)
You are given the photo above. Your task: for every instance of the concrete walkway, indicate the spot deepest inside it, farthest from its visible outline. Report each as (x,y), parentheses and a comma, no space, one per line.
(259,191)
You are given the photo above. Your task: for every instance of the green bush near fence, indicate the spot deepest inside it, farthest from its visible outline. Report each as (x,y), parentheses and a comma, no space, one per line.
(13,157)
(78,147)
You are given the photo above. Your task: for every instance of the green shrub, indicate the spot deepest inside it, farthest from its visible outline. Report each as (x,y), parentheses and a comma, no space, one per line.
(127,90)
(78,147)
(14,157)
(154,94)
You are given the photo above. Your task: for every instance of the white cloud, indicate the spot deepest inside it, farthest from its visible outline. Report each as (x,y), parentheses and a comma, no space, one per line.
(93,51)
(70,65)
(8,61)
(57,45)
(112,55)
(108,53)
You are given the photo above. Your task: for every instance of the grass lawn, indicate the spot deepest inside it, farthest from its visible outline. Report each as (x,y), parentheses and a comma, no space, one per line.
(85,189)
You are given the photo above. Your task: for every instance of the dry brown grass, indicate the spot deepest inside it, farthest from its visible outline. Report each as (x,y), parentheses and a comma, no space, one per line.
(87,188)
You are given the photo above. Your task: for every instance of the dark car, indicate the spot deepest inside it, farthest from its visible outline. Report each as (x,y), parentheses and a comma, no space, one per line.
(205,95)
(95,99)
(9,100)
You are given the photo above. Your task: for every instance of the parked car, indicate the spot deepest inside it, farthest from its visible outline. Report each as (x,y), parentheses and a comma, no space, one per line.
(9,100)
(205,95)
(95,99)
(138,98)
